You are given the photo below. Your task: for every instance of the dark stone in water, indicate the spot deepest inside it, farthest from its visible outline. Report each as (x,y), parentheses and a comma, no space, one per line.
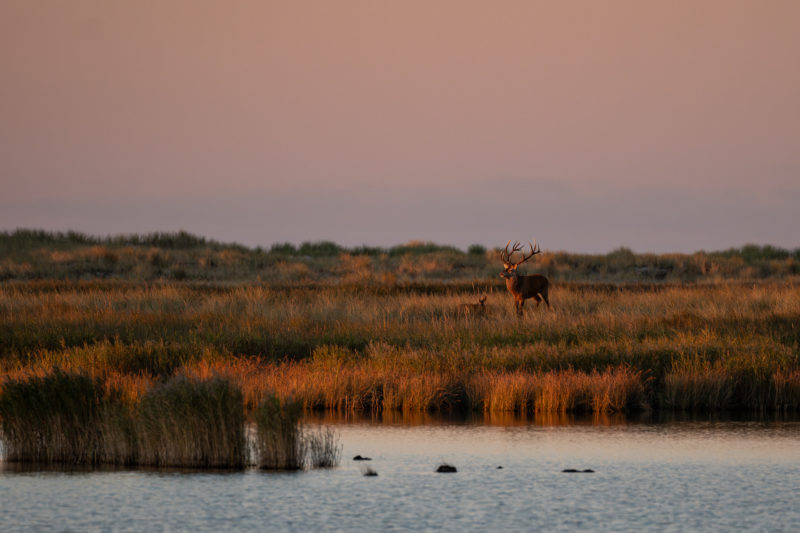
(360,458)
(370,472)
(446,468)
(499,467)
(574,471)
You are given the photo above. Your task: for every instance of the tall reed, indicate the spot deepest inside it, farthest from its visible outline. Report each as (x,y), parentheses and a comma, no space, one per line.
(64,418)
(279,436)
(191,424)
(72,418)
(324,449)
(787,390)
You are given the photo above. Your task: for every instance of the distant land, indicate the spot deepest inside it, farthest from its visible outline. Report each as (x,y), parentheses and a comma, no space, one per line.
(27,254)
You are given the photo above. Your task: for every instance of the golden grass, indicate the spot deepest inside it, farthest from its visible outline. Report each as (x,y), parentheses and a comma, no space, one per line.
(606,348)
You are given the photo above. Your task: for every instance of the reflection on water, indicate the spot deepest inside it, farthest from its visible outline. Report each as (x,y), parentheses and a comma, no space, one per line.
(546,419)
(651,473)
(728,439)
(400,418)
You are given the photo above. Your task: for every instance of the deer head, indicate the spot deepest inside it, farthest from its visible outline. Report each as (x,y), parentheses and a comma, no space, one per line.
(478,309)
(509,266)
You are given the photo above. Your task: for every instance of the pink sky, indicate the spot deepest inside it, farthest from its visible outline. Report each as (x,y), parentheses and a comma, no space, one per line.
(588,125)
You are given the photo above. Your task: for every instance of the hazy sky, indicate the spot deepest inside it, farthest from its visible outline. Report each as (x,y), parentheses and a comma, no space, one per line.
(588,125)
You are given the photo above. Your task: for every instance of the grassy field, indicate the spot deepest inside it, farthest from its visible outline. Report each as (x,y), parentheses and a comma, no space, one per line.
(370,347)
(373,329)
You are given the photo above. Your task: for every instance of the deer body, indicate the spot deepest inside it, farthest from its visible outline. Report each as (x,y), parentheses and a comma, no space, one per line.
(478,309)
(523,287)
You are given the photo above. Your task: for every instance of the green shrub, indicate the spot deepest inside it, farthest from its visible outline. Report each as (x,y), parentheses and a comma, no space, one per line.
(320,249)
(285,248)
(476,249)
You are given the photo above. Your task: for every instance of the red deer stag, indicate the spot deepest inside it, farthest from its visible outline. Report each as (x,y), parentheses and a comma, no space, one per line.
(523,287)
(478,309)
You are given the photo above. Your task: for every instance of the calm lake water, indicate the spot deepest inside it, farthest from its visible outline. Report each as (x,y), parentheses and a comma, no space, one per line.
(649,476)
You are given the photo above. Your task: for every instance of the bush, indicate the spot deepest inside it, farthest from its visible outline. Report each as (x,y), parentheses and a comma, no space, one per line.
(285,248)
(476,249)
(320,249)
(420,248)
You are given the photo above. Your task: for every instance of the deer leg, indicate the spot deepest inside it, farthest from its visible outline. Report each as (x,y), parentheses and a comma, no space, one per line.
(538,300)
(520,304)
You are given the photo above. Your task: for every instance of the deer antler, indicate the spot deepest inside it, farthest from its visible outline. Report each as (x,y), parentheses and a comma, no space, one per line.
(534,250)
(505,255)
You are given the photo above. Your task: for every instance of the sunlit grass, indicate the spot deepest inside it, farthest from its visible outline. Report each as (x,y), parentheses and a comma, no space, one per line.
(610,347)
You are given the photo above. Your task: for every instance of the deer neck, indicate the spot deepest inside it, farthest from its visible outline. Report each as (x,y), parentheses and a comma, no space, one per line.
(512,283)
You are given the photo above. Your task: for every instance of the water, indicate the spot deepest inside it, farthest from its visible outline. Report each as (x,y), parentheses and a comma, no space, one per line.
(675,476)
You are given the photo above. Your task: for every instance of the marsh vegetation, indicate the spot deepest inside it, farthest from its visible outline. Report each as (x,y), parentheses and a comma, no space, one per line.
(606,348)
(375,331)
(71,418)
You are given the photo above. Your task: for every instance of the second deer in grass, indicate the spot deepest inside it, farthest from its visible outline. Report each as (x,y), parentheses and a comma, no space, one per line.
(478,309)
(523,287)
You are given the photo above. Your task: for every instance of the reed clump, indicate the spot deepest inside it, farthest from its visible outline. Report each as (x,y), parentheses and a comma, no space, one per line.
(324,449)
(182,423)
(282,442)
(279,438)
(65,418)
(75,419)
